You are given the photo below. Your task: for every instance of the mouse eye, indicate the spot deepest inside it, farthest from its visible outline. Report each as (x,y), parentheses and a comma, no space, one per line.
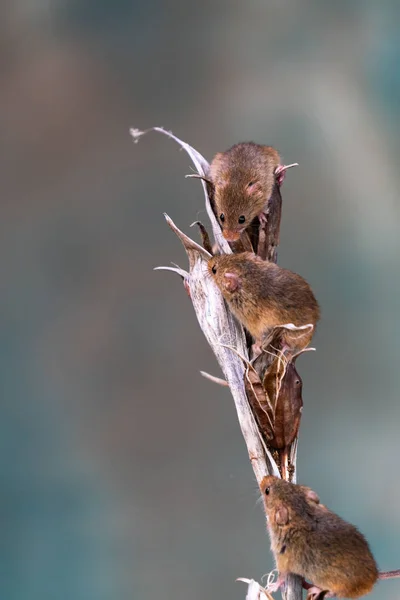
(267,491)
(251,184)
(214,269)
(222,217)
(241,219)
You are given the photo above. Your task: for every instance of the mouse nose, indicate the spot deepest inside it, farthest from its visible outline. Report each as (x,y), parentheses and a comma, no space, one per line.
(231,236)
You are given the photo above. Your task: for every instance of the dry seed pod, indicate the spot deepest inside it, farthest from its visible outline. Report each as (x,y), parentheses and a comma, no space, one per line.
(276,403)
(260,403)
(287,408)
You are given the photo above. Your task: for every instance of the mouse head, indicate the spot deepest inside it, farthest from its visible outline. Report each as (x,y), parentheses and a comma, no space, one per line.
(237,203)
(235,273)
(285,502)
(239,196)
(226,273)
(243,179)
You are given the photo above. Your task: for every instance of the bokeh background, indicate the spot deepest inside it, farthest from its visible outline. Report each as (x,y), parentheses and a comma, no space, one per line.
(123,473)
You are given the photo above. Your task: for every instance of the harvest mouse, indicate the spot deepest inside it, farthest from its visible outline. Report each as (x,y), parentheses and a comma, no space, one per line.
(309,540)
(263,295)
(243,178)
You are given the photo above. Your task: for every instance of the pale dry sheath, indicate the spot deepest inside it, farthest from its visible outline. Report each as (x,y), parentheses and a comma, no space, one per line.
(227,340)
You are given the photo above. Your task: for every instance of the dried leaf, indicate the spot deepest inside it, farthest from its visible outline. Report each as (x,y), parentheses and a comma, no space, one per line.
(259,402)
(273,378)
(255,591)
(204,237)
(244,244)
(288,408)
(268,235)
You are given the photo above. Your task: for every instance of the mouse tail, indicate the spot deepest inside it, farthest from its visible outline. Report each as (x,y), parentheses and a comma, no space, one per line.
(389,574)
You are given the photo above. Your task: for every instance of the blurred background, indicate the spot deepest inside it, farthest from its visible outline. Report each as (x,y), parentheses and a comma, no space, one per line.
(123,472)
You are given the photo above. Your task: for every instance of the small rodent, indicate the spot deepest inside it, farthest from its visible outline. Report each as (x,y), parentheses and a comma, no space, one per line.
(309,540)
(243,178)
(263,295)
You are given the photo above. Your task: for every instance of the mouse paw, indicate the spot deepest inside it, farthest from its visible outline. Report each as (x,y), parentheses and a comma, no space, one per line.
(280,172)
(276,585)
(316,593)
(256,349)
(262,217)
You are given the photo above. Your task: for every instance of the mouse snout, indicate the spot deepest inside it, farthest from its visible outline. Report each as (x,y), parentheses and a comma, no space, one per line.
(231,236)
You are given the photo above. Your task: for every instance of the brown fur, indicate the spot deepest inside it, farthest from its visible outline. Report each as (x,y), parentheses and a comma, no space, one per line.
(266,295)
(231,173)
(311,541)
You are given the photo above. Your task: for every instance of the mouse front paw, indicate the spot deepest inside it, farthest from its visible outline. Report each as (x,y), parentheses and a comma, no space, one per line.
(274,586)
(280,172)
(316,593)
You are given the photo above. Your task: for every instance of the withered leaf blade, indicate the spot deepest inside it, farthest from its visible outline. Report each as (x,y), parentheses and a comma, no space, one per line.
(205,238)
(270,351)
(288,409)
(244,244)
(273,378)
(268,234)
(259,403)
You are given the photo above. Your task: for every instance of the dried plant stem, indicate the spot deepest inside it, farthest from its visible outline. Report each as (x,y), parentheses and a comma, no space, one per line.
(226,336)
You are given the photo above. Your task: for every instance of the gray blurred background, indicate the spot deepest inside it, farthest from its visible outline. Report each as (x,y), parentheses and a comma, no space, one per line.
(123,472)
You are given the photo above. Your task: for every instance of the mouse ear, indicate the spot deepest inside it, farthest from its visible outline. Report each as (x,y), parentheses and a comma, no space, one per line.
(231,282)
(312,496)
(282,515)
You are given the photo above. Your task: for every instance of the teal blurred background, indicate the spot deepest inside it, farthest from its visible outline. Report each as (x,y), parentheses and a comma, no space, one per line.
(123,472)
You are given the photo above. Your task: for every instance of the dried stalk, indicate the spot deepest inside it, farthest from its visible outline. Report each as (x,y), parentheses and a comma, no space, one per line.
(226,336)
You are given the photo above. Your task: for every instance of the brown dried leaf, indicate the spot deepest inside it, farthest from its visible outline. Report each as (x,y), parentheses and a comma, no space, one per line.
(288,409)
(244,244)
(268,234)
(273,378)
(204,236)
(294,339)
(259,402)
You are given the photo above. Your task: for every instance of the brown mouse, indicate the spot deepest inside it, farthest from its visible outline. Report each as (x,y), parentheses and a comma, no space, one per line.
(309,540)
(263,295)
(243,178)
